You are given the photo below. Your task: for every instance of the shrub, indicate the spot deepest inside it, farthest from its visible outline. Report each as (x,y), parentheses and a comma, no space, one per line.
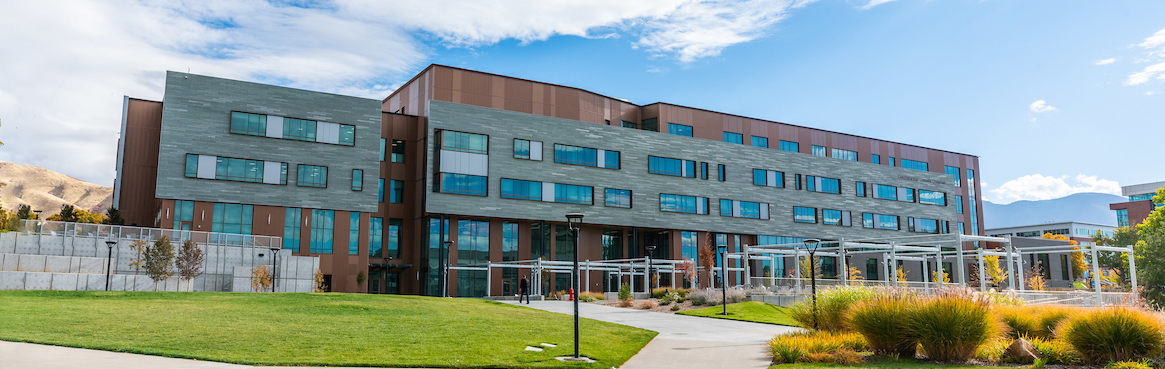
(588,296)
(735,296)
(1050,318)
(624,292)
(1112,334)
(832,305)
(785,352)
(669,297)
(647,305)
(705,297)
(1008,299)
(847,357)
(675,307)
(1056,352)
(683,292)
(659,292)
(816,345)
(951,327)
(1020,321)
(884,322)
(625,303)
(1128,365)
(993,351)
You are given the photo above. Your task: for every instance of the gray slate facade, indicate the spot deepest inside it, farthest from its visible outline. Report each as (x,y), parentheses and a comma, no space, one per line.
(196,120)
(636,145)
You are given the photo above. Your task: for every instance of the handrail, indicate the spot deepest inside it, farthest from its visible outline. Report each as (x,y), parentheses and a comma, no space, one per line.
(107,231)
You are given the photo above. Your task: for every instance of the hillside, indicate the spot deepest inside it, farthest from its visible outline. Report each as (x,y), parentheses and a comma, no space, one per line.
(47,190)
(1081,207)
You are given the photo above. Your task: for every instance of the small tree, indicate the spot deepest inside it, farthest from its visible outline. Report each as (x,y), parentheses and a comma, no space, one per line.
(688,271)
(67,214)
(189,261)
(25,212)
(320,284)
(159,260)
(993,271)
(900,274)
(945,277)
(112,216)
(706,256)
(139,248)
(360,277)
(1035,278)
(261,278)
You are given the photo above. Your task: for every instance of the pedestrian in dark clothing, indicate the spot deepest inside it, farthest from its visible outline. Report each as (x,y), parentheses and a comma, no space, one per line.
(524,287)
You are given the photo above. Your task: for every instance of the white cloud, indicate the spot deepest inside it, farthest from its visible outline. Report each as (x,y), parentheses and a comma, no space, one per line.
(1155,52)
(1041,106)
(1038,187)
(1106,61)
(874,3)
(66,64)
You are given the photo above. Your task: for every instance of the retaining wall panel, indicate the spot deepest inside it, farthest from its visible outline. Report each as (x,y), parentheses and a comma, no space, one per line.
(12,280)
(31,263)
(65,281)
(57,264)
(38,281)
(9,262)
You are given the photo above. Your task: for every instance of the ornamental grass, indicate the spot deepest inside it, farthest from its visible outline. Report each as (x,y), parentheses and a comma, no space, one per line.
(884,322)
(1113,334)
(832,306)
(951,326)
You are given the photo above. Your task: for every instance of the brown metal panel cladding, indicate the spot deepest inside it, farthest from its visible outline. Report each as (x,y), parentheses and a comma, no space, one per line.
(203,216)
(760,129)
(864,145)
(495,254)
(519,95)
(268,220)
(165,214)
(139,173)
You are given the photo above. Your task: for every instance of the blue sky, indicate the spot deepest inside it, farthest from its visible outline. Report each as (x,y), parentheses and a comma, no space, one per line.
(1055,97)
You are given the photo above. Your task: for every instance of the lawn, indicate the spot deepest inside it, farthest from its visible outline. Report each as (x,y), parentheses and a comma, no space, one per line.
(751,311)
(885,364)
(323,329)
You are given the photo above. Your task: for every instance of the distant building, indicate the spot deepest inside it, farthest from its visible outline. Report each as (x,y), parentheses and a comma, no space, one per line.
(1140,203)
(1077,231)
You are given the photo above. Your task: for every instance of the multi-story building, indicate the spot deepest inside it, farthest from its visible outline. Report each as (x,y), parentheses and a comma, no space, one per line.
(1140,203)
(492,164)
(1077,231)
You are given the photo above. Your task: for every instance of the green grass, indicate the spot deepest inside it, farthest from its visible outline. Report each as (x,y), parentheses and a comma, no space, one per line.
(312,329)
(752,311)
(885,364)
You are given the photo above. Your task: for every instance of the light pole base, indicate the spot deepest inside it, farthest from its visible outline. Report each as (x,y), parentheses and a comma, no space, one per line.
(580,359)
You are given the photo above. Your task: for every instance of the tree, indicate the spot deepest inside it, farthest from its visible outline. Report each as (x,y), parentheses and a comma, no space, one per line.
(1117,261)
(1149,252)
(1035,278)
(994,273)
(25,212)
(321,285)
(112,216)
(189,261)
(706,256)
(803,263)
(159,260)
(688,271)
(68,214)
(360,277)
(261,278)
(139,248)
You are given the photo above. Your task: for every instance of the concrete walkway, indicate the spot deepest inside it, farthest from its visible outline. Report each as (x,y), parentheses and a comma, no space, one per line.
(17,355)
(684,341)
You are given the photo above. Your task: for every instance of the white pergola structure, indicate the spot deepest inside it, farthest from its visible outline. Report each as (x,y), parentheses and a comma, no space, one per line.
(616,269)
(937,248)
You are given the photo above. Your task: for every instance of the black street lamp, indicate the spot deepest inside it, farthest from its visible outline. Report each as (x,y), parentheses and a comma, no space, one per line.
(574,220)
(274,267)
(723,249)
(650,251)
(445,268)
(109,262)
(811,245)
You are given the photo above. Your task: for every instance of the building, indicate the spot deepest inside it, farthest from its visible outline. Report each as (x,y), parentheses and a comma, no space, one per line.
(1077,231)
(1140,203)
(492,164)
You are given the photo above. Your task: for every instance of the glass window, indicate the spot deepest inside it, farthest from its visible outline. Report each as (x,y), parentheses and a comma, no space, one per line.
(835,217)
(683,204)
(617,198)
(1142,197)
(822,184)
(914,164)
(735,138)
(463,184)
(804,215)
(760,141)
(357,180)
(743,209)
(248,124)
(398,151)
(750,209)
(760,177)
(770,178)
(876,159)
(627,124)
(679,129)
(725,208)
(347,135)
(394,238)
(819,151)
(322,229)
(651,124)
(919,225)
(671,167)
(396,191)
(382,144)
(375,237)
(721,168)
(790,146)
(291,229)
(183,212)
(472,249)
(299,129)
(1122,217)
(871,269)
(958,204)
(464,142)
(312,176)
(521,149)
(954,173)
(845,154)
(880,221)
(576,155)
(232,218)
(192,165)
(932,198)
(353,233)
(242,170)
(380,190)
(890,161)
(703,170)
(860,189)
(574,194)
(522,190)
(797,182)
(961,230)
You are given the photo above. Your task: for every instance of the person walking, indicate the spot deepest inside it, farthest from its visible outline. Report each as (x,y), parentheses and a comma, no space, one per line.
(524,288)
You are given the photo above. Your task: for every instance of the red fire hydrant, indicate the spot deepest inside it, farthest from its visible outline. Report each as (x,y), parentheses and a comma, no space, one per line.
(571,294)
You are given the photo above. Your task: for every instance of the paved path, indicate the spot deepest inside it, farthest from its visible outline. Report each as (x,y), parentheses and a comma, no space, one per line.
(17,355)
(684,341)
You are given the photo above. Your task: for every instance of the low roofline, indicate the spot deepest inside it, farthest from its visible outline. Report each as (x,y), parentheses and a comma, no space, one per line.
(1048,224)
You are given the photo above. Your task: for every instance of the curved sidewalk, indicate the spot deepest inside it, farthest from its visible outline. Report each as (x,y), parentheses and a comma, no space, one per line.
(683,341)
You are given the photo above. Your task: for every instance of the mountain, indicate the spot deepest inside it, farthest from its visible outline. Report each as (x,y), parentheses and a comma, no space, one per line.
(1081,207)
(47,190)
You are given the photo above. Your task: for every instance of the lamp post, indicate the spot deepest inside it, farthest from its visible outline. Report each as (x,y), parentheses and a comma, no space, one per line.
(723,249)
(274,267)
(574,220)
(445,268)
(109,262)
(811,245)
(650,252)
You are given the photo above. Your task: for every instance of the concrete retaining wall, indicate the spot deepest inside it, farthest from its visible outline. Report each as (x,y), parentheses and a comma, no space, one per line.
(779,300)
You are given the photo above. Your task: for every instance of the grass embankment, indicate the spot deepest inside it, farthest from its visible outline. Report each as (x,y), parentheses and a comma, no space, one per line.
(311,329)
(885,364)
(751,311)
